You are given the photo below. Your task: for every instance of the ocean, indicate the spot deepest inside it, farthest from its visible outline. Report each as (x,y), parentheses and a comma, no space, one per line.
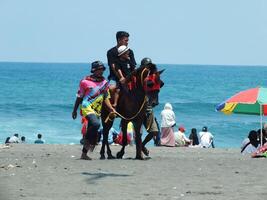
(39,98)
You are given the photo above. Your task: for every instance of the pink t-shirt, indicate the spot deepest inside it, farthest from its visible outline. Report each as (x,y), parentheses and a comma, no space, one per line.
(93,94)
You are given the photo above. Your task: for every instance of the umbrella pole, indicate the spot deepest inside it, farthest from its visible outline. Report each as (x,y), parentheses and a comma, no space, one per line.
(261,122)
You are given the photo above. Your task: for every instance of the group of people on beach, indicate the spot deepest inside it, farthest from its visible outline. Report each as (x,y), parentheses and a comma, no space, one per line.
(15,139)
(172,138)
(256,143)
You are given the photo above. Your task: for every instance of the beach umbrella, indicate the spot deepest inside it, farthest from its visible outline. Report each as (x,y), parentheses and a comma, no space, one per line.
(251,101)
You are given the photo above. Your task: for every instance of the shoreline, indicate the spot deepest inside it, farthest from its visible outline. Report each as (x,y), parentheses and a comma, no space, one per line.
(48,171)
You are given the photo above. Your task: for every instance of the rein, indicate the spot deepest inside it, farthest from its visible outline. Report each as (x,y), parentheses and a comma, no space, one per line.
(109,118)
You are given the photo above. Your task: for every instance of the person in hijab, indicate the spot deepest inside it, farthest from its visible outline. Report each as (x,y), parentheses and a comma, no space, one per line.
(167,124)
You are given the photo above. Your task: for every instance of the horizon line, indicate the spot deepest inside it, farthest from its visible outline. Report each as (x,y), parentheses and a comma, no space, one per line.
(62,62)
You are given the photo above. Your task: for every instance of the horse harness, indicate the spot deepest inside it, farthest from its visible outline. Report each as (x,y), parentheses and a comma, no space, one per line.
(112,115)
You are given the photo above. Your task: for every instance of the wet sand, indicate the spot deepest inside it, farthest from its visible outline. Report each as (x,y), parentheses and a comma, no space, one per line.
(42,172)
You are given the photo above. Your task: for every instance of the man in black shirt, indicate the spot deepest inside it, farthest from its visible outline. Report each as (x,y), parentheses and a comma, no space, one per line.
(122,38)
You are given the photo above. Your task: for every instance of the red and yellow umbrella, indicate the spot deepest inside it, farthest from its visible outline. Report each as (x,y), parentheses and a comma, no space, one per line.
(252,101)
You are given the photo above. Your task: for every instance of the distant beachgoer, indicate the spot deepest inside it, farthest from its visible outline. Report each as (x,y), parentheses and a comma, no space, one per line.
(131,132)
(84,123)
(23,139)
(194,137)
(119,139)
(206,138)
(14,138)
(180,138)
(122,38)
(261,152)
(113,133)
(39,139)
(7,140)
(93,91)
(251,143)
(167,124)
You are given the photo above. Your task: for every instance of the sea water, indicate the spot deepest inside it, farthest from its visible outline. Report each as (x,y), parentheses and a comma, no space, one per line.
(39,98)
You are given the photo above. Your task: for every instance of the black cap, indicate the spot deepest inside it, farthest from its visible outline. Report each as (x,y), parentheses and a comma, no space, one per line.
(96,66)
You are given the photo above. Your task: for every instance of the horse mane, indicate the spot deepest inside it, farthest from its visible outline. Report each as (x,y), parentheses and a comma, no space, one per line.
(135,73)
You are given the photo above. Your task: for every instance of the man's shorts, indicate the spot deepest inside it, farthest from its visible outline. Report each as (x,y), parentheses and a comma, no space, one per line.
(150,123)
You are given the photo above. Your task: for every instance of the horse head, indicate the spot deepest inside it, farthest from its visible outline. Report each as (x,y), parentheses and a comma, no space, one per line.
(151,83)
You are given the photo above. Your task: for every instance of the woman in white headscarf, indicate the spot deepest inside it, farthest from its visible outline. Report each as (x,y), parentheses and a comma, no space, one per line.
(167,124)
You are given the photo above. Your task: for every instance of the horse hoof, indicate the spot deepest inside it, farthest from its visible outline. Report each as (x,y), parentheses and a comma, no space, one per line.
(110,157)
(85,157)
(145,151)
(102,157)
(139,158)
(120,155)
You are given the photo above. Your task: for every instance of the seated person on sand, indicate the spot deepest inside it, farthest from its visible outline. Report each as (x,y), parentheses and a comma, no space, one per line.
(194,138)
(113,133)
(39,139)
(7,140)
(23,139)
(206,138)
(14,139)
(180,139)
(118,139)
(261,152)
(250,144)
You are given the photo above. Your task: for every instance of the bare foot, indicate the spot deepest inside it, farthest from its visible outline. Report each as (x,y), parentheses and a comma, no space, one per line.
(85,157)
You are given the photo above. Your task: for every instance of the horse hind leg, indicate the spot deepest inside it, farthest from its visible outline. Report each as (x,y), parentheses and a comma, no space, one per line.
(138,141)
(104,141)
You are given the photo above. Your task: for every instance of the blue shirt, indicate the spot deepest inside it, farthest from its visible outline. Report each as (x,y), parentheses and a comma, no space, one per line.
(39,141)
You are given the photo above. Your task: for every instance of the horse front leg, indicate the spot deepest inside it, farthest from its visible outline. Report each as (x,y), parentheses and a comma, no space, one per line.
(106,128)
(124,138)
(110,156)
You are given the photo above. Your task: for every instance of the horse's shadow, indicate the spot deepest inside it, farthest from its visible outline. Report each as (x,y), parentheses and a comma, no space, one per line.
(101,175)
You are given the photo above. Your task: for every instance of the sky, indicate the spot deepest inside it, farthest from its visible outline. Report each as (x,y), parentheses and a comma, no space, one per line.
(216,32)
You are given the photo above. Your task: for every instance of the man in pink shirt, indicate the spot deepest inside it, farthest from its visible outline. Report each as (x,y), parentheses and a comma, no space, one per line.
(93,90)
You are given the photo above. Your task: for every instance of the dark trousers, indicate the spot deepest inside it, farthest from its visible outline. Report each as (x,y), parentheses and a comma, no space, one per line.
(92,128)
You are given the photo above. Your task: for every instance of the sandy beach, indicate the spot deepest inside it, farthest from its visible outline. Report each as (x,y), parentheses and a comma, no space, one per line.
(42,172)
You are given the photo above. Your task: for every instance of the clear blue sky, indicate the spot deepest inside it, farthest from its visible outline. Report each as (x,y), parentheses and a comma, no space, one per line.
(232,32)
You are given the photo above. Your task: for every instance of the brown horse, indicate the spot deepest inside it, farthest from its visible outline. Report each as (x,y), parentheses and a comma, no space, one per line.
(132,106)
